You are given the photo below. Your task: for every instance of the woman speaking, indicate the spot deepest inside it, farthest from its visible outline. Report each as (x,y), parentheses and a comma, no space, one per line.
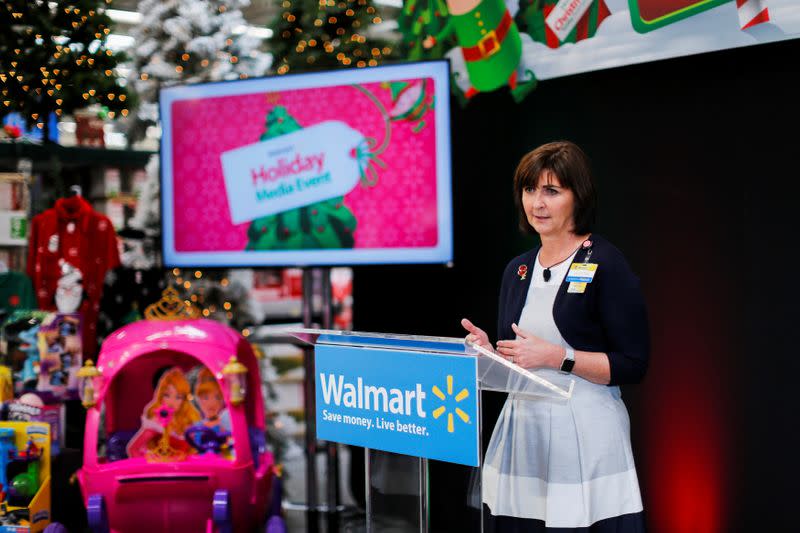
(569,309)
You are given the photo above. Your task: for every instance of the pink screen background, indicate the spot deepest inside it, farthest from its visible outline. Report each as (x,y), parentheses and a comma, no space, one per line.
(400,211)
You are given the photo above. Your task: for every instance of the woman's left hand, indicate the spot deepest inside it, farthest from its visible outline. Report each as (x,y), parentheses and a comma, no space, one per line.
(529,351)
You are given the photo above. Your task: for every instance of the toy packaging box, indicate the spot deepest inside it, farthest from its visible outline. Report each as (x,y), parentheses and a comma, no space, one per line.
(43,350)
(25,477)
(30,407)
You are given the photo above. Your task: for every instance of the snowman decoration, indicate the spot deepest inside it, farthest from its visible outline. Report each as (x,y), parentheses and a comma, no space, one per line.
(69,290)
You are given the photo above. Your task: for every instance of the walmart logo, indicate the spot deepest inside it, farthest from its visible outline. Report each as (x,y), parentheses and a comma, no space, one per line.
(439,411)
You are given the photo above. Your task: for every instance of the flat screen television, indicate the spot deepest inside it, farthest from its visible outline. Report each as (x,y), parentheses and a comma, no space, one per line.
(341,167)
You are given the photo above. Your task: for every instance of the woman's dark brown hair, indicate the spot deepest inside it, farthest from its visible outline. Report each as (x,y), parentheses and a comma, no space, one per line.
(571,166)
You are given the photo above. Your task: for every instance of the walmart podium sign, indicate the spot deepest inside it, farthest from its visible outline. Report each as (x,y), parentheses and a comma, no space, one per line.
(415,403)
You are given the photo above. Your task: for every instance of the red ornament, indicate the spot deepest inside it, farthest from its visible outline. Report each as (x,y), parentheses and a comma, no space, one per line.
(12,131)
(13,301)
(353,153)
(522,271)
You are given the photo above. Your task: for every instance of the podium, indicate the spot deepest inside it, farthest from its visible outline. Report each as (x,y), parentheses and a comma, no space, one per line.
(407,399)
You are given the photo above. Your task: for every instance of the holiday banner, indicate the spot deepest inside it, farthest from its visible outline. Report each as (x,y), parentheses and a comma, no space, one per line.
(514,43)
(306,169)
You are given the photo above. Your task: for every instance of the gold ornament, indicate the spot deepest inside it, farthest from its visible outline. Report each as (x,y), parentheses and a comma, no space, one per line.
(171,307)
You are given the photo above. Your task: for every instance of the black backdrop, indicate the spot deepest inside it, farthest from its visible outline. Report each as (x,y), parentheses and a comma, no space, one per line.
(696,164)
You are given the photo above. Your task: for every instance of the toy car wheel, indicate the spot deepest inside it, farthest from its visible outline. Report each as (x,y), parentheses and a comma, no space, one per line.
(276,524)
(221,513)
(56,527)
(96,514)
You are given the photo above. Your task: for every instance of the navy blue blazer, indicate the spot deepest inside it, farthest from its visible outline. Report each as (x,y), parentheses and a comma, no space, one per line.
(609,317)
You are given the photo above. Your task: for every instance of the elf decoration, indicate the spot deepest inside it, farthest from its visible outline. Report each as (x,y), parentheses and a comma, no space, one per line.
(490,43)
(326,224)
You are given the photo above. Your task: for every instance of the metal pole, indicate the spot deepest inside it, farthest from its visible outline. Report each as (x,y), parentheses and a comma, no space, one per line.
(331,448)
(368,489)
(424,514)
(312,522)
(480,453)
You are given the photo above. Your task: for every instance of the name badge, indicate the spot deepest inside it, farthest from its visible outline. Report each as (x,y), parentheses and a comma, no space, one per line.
(577,287)
(582,272)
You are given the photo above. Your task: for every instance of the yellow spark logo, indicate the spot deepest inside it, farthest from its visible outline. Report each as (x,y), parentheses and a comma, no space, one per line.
(438,412)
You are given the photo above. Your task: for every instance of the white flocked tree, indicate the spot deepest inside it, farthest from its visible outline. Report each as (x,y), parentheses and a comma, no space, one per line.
(188,41)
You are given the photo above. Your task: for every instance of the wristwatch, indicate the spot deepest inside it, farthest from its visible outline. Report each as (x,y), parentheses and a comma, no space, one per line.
(569,360)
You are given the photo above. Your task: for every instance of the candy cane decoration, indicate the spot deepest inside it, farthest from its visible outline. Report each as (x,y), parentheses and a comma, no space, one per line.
(752,12)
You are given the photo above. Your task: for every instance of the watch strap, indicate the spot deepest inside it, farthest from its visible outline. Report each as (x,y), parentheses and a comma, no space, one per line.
(569,360)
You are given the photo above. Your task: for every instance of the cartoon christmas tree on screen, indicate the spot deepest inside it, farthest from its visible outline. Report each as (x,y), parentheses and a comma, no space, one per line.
(326,224)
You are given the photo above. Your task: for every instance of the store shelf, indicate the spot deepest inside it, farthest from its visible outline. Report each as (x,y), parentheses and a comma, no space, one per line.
(46,156)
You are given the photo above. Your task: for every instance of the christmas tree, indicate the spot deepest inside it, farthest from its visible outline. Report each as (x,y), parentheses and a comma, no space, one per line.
(54,59)
(326,224)
(320,34)
(214,295)
(188,41)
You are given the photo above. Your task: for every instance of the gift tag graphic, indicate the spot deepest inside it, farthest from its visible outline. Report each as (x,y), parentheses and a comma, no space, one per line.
(293,170)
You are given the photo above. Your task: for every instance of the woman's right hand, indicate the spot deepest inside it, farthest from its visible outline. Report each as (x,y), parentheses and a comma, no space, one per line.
(476,335)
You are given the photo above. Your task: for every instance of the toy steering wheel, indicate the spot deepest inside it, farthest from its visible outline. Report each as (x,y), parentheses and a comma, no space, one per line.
(206,440)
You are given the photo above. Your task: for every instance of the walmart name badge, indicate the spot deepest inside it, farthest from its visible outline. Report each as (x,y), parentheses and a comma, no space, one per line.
(414,403)
(581,272)
(293,170)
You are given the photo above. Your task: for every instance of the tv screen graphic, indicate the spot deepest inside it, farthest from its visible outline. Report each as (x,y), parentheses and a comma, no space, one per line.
(326,168)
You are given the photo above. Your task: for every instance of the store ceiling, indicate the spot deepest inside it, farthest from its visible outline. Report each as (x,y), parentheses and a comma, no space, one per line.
(261,13)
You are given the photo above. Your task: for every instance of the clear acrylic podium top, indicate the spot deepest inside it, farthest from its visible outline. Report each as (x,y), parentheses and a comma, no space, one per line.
(495,373)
